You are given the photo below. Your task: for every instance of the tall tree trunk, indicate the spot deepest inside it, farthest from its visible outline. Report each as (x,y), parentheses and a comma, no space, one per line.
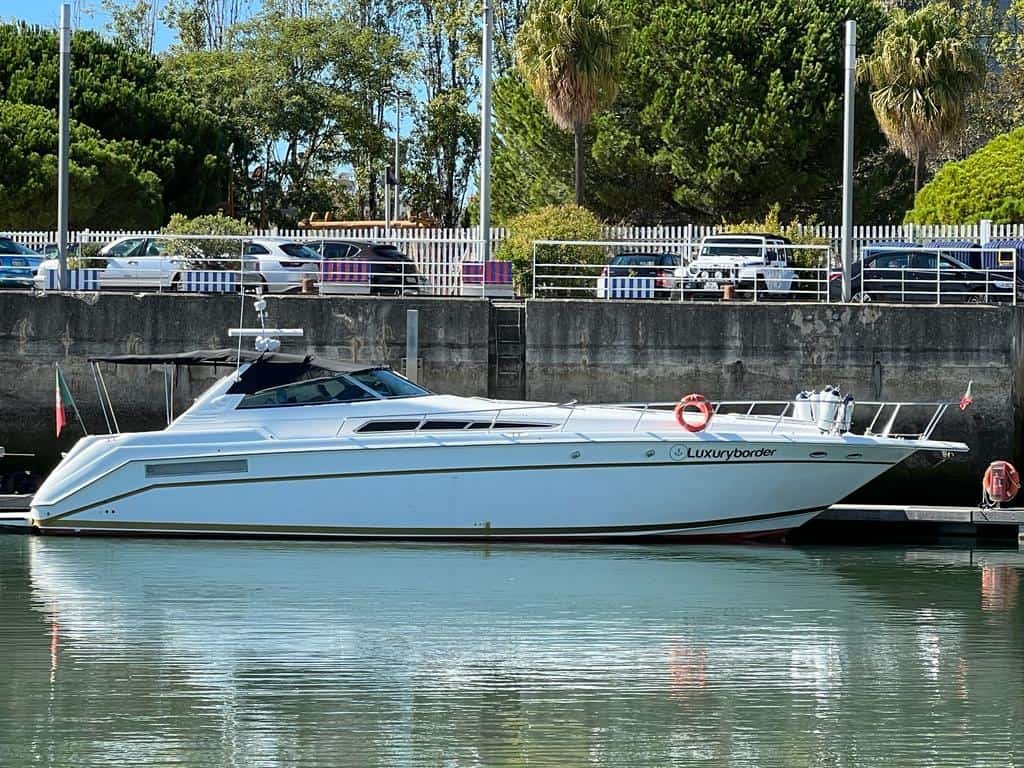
(578,174)
(918,171)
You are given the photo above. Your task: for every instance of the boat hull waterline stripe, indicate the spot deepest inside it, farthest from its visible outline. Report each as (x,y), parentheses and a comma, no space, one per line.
(475,533)
(449,470)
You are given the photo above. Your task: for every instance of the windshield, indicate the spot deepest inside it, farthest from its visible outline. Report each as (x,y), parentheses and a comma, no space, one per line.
(9,246)
(636,260)
(300,251)
(732,249)
(336,388)
(123,248)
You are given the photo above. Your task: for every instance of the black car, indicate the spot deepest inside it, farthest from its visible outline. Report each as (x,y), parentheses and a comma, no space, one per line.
(905,275)
(392,272)
(663,267)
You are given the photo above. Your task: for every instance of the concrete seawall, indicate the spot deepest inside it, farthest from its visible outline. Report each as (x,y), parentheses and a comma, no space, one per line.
(601,351)
(36,332)
(591,350)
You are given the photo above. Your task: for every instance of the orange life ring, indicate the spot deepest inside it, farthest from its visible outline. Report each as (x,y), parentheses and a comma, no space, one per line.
(1001,481)
(703,415)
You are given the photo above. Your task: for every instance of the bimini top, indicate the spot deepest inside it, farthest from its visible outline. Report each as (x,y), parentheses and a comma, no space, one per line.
(228,356)
(268,369)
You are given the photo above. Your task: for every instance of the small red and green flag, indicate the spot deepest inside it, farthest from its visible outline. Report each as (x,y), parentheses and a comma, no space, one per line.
(967,400)
(64,402)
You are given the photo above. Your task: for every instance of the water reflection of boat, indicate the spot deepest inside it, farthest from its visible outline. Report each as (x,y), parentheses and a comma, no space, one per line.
(413,655)
(177,590)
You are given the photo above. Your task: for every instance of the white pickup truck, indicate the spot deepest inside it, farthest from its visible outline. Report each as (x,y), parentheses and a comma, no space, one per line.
(753,263)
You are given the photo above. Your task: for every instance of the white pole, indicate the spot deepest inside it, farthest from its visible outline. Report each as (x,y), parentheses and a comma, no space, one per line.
(485,136)
(850,76)
(398,133)
(63,140)
(412,344)
(387,208)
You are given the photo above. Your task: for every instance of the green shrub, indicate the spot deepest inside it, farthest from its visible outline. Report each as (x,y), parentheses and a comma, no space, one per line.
(87,257)
(988,184)
(553,222)
(772,224)
(201,250)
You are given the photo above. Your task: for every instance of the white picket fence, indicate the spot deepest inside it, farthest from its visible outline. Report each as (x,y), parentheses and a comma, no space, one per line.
(438,253)
(463,236)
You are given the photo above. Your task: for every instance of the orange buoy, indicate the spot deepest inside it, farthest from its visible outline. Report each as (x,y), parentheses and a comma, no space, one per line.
(1001,482)
(694,413)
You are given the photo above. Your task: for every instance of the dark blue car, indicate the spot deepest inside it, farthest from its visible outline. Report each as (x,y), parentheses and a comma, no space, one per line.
(909,275)
(18,264)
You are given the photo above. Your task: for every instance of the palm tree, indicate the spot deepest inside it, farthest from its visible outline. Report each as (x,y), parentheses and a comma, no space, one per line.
(566,52)
(924,72)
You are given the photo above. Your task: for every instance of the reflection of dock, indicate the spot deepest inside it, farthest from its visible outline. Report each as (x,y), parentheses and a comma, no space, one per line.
(963,521)
(14,511)
(15,502)
(842,518)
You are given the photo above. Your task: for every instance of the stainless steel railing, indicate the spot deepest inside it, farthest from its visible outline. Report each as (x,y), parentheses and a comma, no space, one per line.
(778,412)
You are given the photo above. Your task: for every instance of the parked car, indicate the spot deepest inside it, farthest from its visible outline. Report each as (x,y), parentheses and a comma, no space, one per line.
(901,275)
(662,267)
(391,271)
(742,260)
(278,265)
(750,262)
(18,264)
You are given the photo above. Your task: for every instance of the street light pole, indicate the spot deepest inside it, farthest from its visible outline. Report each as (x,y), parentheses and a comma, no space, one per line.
(231,186)
(485,136)
(398,135)
(847,233)
(64,139)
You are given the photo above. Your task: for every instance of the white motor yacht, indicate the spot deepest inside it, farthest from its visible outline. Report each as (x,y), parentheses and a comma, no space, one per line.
(287,445)
(290,445)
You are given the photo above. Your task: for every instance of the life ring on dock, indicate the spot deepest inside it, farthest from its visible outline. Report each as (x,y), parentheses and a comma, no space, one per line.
(1001,482)
(698,420)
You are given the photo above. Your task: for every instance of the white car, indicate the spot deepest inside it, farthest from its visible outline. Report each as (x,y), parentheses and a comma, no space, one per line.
(278,265)
(754,262)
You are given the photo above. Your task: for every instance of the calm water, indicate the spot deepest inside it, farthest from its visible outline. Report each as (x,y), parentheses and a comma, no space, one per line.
(132,652)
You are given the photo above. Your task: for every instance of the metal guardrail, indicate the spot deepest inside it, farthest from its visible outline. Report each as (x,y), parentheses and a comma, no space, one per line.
(779,413)
(229,264)
(211,264)
(699,273)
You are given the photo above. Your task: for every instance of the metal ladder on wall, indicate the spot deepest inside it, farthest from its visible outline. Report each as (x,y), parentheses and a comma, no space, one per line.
(508,350)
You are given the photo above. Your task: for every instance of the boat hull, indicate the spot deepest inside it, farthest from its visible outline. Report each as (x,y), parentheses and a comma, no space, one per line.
(616,489)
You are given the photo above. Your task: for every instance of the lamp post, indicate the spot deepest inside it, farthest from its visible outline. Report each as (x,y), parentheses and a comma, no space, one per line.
(847,231)
(64,140)
(485,135)
(231,186)
(398,136)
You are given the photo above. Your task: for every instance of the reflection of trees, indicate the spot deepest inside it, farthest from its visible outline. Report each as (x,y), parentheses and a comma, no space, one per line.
(248,654)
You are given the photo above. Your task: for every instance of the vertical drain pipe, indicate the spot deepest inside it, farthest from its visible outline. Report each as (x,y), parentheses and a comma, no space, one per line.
(412,344)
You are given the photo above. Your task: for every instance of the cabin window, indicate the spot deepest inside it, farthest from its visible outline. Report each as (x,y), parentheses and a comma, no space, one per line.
(316,386)
(438,424)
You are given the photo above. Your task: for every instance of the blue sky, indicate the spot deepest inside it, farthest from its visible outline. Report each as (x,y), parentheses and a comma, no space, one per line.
(47,14)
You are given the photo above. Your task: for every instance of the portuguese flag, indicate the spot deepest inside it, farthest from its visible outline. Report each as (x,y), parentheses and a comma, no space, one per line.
(64,401)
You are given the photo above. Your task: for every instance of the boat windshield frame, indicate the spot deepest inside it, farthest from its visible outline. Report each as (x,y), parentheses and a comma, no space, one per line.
(354,389)
(253,372)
